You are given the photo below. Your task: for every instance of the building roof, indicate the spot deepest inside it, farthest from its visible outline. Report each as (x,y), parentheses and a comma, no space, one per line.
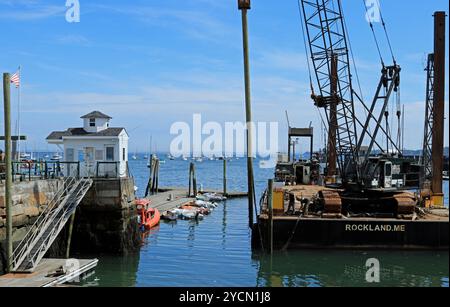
(79,132)
(96,114)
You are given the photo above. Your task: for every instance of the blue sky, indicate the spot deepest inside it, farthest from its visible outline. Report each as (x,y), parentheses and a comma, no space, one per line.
(151,63)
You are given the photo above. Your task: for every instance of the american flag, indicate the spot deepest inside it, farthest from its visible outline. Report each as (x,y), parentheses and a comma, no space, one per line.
(16,79)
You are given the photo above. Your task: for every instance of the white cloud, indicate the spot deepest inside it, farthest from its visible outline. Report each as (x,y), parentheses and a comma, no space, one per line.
(30,10)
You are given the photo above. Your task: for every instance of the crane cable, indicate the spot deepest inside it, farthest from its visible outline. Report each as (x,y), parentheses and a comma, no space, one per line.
(305,45)
(373,32)
(387,35)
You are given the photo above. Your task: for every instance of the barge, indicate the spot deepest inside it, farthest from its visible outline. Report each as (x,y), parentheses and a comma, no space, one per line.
(427,229)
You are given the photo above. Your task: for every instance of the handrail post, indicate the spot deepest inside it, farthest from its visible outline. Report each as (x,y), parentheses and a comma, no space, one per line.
(58,169)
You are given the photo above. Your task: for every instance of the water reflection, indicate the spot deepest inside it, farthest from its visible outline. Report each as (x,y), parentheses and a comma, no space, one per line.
(113,271)
(342,268)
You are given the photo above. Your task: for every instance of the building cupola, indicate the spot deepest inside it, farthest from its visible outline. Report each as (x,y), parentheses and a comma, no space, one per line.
(96,121)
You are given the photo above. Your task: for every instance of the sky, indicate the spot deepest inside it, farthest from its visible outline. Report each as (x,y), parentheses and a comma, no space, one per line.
(151,63)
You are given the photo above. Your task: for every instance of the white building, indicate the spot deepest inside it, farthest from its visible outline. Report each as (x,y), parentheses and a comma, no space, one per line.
(101,150)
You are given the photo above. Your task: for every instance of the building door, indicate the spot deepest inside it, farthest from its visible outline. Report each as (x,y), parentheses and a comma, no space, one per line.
(71,167)
(89,161)
(110,169)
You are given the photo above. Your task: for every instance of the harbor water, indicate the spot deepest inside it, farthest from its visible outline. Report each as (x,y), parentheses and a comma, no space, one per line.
(217,251)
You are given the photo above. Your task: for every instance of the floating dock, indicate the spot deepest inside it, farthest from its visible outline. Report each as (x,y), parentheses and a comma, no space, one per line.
(171,198)
(45,274)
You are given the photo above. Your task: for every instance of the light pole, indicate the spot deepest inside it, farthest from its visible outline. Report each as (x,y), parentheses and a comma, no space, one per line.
(244,6)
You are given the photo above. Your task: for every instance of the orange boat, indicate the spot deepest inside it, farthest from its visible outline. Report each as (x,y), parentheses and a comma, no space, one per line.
(149,217)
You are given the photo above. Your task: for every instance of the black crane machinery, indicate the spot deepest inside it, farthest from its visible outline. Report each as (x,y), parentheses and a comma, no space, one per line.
(433,141)
(427,171)
(370,163)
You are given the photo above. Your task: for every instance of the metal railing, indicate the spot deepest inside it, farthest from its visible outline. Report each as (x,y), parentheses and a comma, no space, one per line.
(20,251)
(56,223)
(35,170)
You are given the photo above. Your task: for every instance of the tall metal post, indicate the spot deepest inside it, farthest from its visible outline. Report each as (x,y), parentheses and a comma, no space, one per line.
(439,107)
(244,6)
(8,169)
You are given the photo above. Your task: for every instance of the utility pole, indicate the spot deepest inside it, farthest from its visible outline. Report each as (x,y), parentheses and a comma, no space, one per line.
(244,6)
(8,168)
(438,108)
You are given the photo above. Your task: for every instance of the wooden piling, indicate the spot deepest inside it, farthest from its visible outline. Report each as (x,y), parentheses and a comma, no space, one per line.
(150,178)
(69,236)
(225,177)
(8,169)
(192,181)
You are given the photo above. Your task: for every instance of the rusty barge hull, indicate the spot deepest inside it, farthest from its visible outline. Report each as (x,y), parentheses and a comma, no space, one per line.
(356,233)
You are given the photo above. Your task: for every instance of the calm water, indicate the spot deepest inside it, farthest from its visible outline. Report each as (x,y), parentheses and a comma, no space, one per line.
(216,251)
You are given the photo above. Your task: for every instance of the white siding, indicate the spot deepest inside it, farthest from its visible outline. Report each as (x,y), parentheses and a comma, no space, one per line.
(88,168)
(100,125)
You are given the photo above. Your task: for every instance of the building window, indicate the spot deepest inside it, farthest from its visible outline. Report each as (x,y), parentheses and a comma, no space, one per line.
(124,154)
(99,155)
(92,122)
(109,153)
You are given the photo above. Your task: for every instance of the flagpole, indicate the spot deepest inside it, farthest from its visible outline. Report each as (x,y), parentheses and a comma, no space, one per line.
(18,111)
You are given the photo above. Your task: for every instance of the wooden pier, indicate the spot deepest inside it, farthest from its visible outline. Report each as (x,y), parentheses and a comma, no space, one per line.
(45,273)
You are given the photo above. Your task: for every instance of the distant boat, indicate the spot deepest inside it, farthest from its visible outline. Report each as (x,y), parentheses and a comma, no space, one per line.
(25,156)
(445,176)
(262,164)
(145,157)
(185,159)
(134,156)
(56,157)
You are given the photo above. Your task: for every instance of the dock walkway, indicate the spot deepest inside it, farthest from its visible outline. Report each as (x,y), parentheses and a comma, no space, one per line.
(40,277)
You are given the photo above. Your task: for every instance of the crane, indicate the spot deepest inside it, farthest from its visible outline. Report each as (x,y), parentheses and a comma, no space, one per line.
(354,139)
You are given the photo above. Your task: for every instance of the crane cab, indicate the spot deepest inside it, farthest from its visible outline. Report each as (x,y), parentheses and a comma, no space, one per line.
(386,175)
